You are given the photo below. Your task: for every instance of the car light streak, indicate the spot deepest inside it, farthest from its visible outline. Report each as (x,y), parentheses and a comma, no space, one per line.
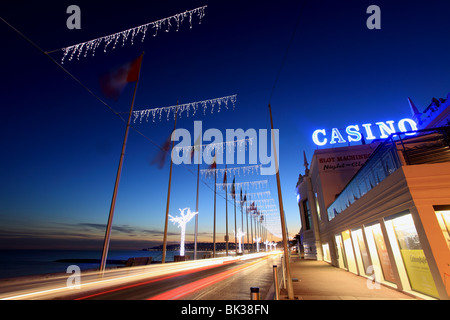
(199,284)
(147,282)
(116,277)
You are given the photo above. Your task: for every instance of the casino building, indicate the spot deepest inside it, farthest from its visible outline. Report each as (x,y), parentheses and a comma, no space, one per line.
(381,210)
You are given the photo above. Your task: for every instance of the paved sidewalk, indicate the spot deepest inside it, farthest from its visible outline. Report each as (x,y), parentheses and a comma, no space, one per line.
(318,280)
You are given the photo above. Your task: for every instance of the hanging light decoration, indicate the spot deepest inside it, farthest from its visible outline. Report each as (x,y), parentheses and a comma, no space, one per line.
(187,108)
(83,48)
(207,173)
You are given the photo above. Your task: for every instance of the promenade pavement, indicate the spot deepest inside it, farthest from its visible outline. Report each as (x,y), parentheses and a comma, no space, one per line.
(318,280)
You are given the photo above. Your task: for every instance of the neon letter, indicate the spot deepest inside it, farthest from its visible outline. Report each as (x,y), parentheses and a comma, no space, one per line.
(369,135)
(316,139)
(354,132)
(335,134)
(412,123)
(385,130)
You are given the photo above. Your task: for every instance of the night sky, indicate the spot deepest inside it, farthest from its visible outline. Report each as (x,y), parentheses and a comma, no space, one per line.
(317,64)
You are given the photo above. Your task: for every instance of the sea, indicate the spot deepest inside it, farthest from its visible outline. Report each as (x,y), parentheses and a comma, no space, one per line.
(18,263)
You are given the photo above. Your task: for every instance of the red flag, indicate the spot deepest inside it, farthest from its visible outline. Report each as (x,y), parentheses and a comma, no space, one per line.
(161,156)
(113,82)
(233,189)
(213,165)
(225,180)
(242,201)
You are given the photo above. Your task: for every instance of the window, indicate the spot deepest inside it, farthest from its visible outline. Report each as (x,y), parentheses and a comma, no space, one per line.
(378,251)
(443,217)
(362,256)
(411,251)
(307,213)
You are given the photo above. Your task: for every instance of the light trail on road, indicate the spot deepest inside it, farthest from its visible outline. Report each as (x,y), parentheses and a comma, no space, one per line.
(93,286)
(205,282)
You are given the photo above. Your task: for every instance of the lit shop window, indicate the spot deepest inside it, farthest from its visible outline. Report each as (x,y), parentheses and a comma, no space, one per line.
(326,252)
(362,255)
(443,217)
(340,252)
(413,257)
(351,262)
(378,251)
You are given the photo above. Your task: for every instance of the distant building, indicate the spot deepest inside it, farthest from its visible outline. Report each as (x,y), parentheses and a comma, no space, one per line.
(381,210)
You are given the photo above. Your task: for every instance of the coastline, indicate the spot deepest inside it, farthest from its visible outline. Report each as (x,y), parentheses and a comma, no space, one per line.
(17,266)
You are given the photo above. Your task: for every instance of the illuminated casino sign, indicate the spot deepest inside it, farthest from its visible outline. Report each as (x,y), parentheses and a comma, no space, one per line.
(355,133)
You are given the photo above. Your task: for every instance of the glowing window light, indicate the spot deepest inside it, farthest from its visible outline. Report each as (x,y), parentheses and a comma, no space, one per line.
(182,221)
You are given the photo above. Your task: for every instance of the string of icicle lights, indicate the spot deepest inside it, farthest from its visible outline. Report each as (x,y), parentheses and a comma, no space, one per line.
(90,46)
(217,146)
(259,184)
(208,173)
(157,113)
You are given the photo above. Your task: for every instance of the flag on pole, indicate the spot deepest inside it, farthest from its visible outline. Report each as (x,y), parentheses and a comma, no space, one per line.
(161,156)
(113,82)
(213,165)
(233,189)
(225,180)
(241,199)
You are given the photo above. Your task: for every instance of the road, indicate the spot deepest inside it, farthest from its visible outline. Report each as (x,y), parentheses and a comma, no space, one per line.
(227,278)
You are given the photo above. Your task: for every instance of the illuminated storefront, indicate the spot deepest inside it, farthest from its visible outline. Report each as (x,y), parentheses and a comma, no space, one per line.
(382,210)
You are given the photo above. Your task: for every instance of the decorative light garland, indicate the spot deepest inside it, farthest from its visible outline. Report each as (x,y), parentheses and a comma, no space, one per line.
(218,146)
(259,184)
(92,45)
(207,173)
(186,107)
(258,195)
(264,202)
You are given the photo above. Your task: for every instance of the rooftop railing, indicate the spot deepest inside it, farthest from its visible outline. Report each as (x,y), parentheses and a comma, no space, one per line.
(416,147)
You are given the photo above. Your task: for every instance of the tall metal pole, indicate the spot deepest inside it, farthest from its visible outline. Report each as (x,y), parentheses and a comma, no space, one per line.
(168,191)
(251,230)
(290,288)
(235,230)
(116,185)
(226,210)
(214,231)
(246,215)
(196,209)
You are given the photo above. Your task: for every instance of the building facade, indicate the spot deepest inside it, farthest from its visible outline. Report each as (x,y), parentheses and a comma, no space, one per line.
(381,210)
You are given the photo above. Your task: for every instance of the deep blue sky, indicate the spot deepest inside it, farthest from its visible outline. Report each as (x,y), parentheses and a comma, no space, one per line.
(61,147)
